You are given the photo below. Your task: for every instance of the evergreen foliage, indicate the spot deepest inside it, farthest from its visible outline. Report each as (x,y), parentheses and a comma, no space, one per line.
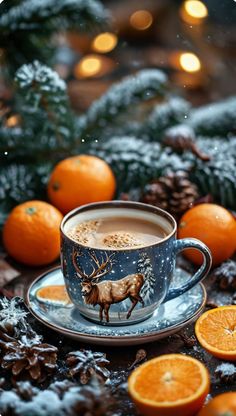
(145,268)
(135,161)
(122,97)
(47,122)
(21,182)
(215,119)
(27,26)
(174,111)
(112,128)
(218,176)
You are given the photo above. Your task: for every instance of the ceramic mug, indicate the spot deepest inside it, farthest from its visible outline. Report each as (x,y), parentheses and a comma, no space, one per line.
(131,282)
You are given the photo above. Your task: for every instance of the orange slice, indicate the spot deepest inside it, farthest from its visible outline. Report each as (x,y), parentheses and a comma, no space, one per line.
(55,294)
(170,385)
(222,405)
(216,332)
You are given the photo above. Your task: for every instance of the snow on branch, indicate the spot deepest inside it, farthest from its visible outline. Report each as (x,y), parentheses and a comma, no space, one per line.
(134,89)
(31,14)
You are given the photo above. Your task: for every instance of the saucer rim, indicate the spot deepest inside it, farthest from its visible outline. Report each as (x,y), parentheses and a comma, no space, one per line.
(76,334)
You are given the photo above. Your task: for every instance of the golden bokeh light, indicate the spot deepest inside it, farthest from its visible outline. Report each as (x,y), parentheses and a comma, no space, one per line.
(104,42)
(193,11)
(189,62)
(89,66)
(141,19)
(94,66)
(13,120)
(196,8)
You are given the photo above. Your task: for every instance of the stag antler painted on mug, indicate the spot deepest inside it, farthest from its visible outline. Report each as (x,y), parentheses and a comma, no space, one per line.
(108,292)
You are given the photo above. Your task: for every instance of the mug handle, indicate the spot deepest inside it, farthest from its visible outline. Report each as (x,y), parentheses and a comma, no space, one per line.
(180,245)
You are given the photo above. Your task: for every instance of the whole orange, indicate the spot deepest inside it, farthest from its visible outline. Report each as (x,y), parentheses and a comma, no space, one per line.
(213,225)
(31,233)
(80,180)
(222,405)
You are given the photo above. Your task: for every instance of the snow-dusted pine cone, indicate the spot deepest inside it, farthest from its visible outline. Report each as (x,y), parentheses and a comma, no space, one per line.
(173,192)
(27,357)
(86,363)
(182,138)
(225,275)
(13,317)
(60,398)
(226,373)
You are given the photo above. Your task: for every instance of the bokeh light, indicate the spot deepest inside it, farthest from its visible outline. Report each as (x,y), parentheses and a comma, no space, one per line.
(193,11)
(189,62)
(104,42)
(141,19)
(89,66)
(13,120)
(196,8)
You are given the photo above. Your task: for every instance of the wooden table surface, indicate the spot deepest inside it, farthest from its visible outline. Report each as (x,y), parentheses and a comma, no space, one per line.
(121,358)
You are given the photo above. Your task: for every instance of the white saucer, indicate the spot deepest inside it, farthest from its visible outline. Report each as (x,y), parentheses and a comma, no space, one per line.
(167,319)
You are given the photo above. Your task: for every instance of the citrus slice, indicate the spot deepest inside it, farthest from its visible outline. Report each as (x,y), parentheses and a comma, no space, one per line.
(216,332)
(169,385)
(55,294)
(222,405)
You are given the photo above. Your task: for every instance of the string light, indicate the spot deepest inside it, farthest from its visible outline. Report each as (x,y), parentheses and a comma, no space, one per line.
(13,121)
(189,62)
(141,19)
(104,42)
(89,66)
(94,66)
(193,11)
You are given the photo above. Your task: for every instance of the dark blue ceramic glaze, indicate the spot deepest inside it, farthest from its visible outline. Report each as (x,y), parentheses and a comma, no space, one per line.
(148,271)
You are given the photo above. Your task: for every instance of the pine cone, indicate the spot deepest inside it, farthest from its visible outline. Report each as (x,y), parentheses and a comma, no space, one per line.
(25,390)
(63,398)
(13,317)
(226,373)
(90,400)
(225,275)
(86,364)
(173,192)
(27,356)
(181,138)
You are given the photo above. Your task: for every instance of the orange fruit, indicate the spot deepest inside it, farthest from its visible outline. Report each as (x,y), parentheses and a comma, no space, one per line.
(169,385)
(55,294)
(31,233)
(80,180)
(222,405)
(213,225)
(216,332)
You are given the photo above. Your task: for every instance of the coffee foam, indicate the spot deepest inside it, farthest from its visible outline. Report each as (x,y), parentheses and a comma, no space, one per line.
(121,239)
(82,232)
(100,213)
(85,232)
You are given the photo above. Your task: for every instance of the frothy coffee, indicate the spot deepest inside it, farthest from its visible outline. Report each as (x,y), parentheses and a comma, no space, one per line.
(116,233)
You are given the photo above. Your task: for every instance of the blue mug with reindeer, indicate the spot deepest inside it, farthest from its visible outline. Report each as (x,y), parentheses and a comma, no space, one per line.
(119,280)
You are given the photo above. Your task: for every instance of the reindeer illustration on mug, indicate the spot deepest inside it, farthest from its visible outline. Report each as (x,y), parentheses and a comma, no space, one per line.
(107,292)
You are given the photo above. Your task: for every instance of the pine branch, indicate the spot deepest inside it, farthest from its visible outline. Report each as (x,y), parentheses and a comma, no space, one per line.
(217,180)
(16,142)
(135,161)
(218,176)
(216,119)
(19,183)
(30,15)
(27,28)
(174,111)
(47,126)
(121,97)
(45,105)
